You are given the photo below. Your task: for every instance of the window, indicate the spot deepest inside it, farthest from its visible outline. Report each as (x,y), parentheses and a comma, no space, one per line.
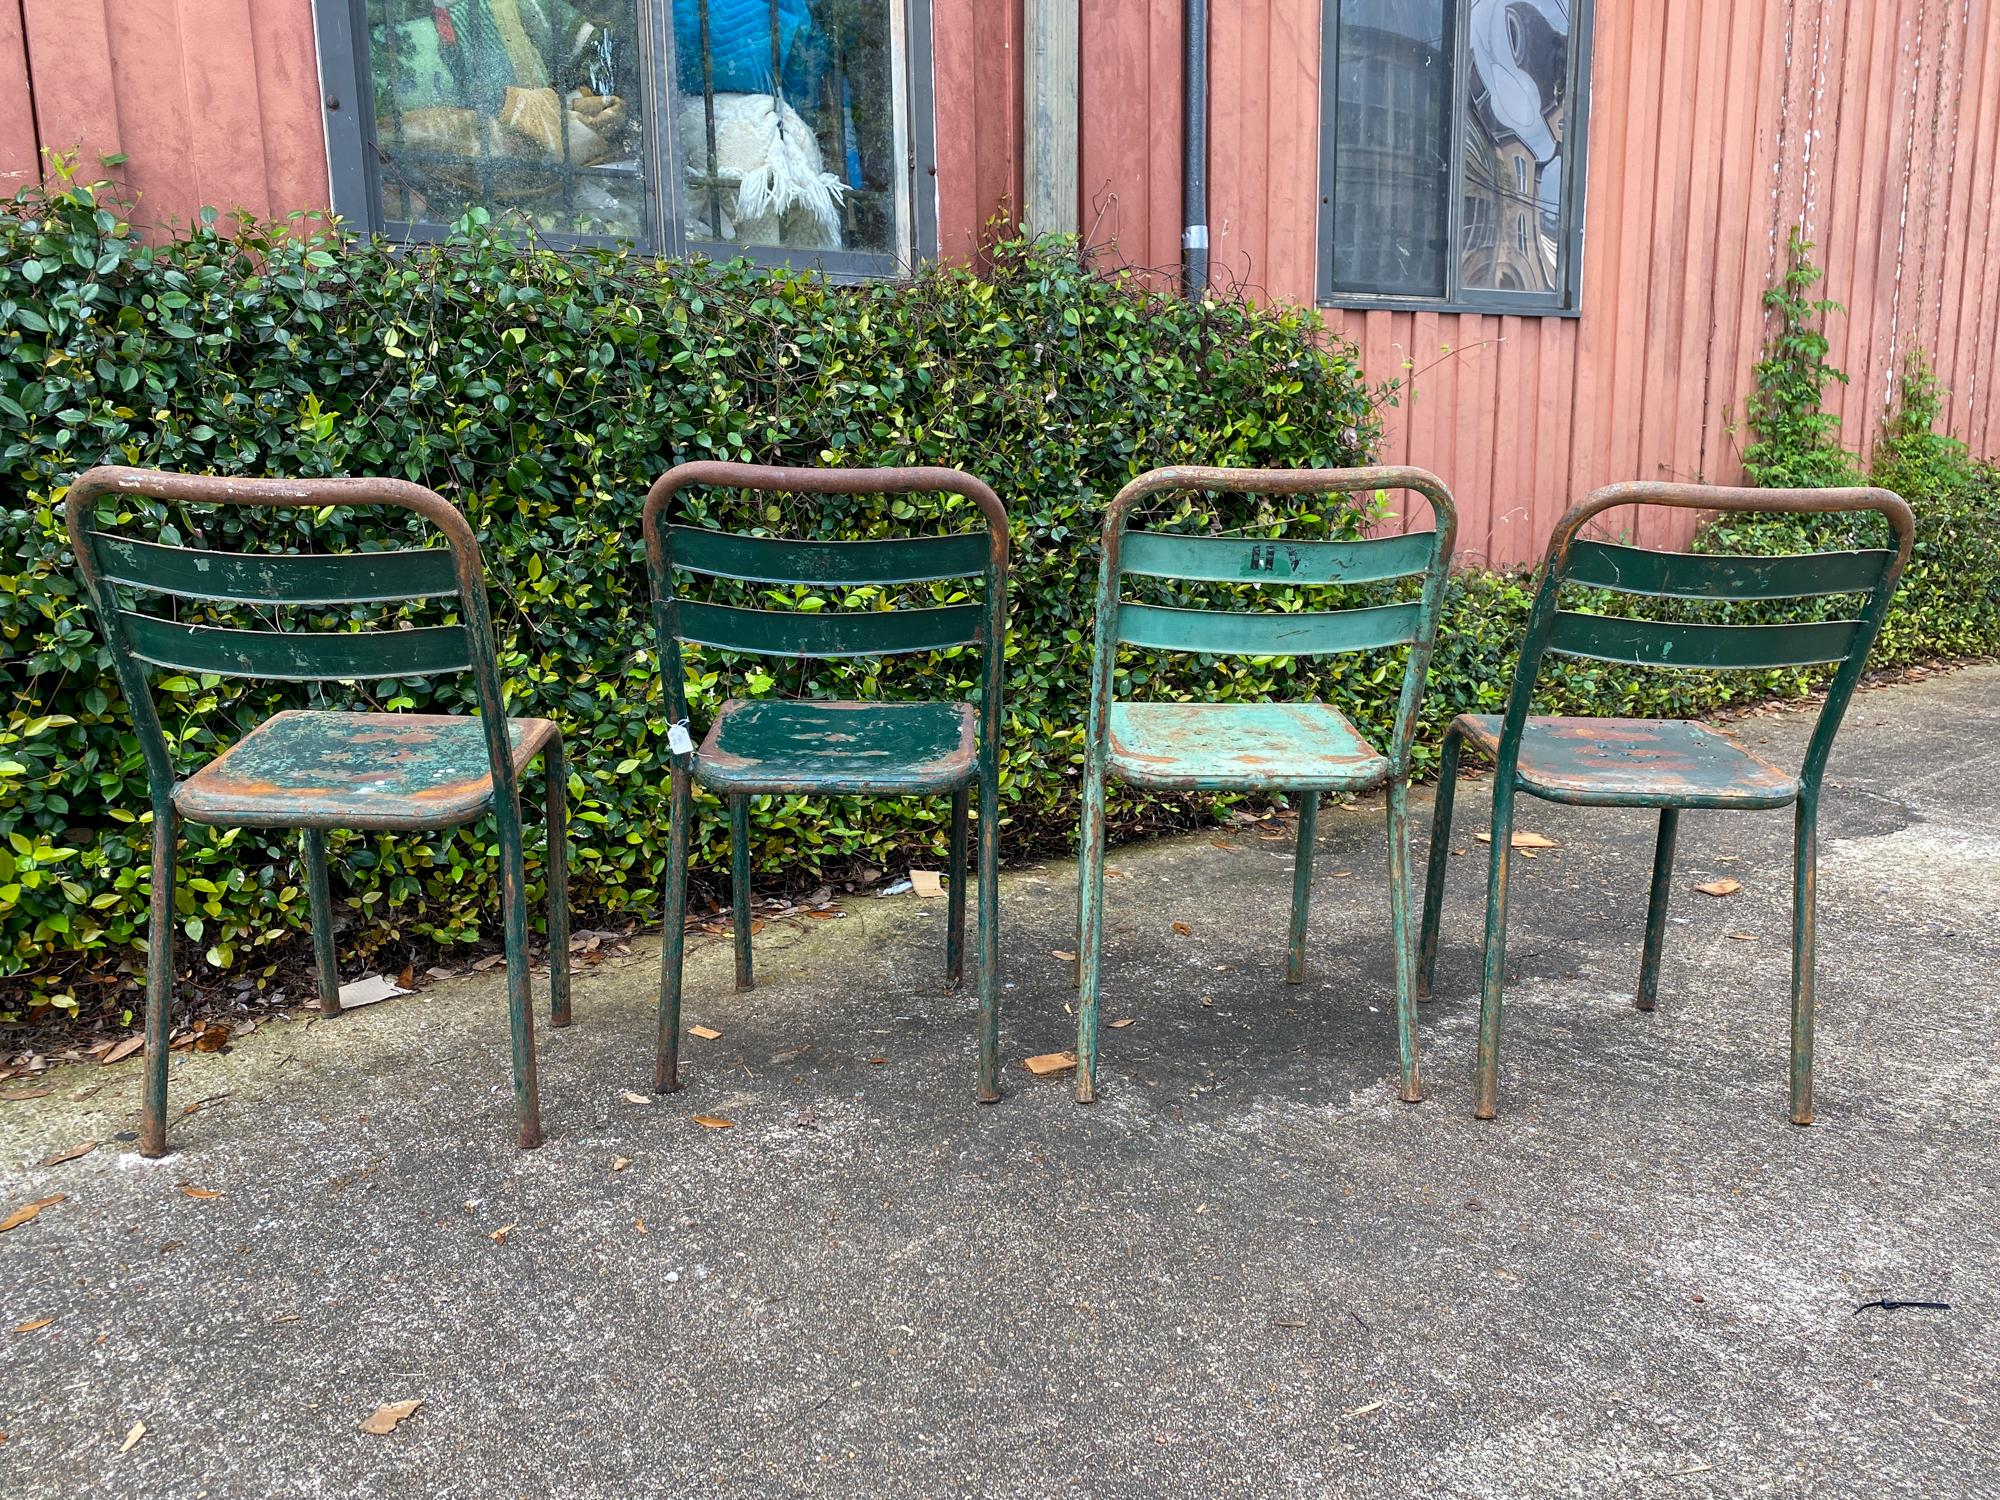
(798,131)
(1451,154)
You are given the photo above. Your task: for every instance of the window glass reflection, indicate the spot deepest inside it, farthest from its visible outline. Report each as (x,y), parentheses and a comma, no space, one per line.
(1517,120)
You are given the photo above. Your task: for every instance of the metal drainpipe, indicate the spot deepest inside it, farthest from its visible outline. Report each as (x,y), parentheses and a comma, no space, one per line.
(1194,146)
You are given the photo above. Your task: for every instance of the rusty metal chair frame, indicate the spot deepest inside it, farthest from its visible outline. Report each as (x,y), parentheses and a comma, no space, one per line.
(1266,561)
(110,562)
(890,562)
(1575,560)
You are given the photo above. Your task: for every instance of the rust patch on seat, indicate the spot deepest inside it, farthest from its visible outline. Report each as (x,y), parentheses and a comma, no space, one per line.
(1665,761)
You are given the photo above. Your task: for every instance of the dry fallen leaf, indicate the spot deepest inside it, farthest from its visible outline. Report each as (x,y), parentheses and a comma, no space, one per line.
(632,1098)
(1051,1062)
(1361,1411)
(926,883)
(1522,841)
(1183,929)
(124,1049)
(191,1191)
(1064,954)
(620,1163)
(1209,1001)
(27,1211)
(1742,937)
(1121,1023)
(71,1154)
(706,1033)
(132,1438)
(1724,887)
(877,1062)
(30,1327)
(714,1122)
(382,1421)
(22,1096)
(499,1237)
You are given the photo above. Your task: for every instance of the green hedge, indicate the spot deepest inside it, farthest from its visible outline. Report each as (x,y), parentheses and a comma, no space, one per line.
(541,392)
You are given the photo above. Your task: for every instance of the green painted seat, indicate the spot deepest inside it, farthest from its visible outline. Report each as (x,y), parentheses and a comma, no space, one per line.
(1670,765)
(1302,749)
(356,770)
(315,769)
(1220,747)
(775,745)
(1633,762)
(821,747)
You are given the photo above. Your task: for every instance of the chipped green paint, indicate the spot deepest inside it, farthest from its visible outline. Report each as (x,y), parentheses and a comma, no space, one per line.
(1301,748)
(1669,765)
(831,748)
(316,770)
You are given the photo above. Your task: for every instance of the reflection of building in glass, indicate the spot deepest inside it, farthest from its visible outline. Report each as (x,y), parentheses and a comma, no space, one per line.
(1393,147)
(1518,83)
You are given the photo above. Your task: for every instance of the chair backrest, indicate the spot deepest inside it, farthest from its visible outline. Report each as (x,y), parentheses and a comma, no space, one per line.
(1574,560)
(1278,562)
(887,563)
(117,567)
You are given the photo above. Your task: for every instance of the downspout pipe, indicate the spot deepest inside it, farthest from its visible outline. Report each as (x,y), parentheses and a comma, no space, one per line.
(1194,146)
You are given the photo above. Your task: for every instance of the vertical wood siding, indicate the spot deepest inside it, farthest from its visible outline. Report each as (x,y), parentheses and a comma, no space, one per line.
(1715,125)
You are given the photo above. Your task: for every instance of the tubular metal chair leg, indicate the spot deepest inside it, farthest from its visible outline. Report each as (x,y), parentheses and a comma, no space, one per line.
(520,983)
(739,885)
(673,940)
(1412,1088)
(1487,1069)
(1440,858)
(1656,909)
(557,769)
(954,936)
(159,985)
(320,894)
(988,1087)
(1805,881)
(1302,880)
(1090,939)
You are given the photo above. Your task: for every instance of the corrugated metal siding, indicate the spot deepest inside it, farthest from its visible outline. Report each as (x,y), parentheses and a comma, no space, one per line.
(1714,126)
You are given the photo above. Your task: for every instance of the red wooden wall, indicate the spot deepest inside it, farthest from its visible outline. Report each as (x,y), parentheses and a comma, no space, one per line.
(1714,125)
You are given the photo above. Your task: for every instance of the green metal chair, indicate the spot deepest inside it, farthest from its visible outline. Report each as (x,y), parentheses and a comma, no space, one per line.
(825,747)
(311,769)
(1301,748)
(1667,764)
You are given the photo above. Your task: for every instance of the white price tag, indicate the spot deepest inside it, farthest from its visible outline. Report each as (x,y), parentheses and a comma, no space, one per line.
(679,740)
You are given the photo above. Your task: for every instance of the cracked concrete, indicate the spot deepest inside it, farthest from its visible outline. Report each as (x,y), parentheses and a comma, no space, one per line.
(1247,1271)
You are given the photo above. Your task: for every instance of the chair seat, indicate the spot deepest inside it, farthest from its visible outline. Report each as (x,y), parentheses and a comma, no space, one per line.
(308,768)
(1240,747)
(817,745)
(1635,763)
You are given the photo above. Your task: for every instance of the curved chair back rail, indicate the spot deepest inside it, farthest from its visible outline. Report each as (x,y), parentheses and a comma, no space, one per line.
(1573,559)
(891,749)
(110,561)
(1276,561)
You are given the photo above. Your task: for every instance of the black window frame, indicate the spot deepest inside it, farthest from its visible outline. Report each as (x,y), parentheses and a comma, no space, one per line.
(347,100)
(1565,302)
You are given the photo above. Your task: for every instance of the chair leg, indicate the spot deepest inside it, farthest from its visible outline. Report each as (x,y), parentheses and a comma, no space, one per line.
(159,985)
(1412,1089)
(1656,908)
(319,892)
(1090,935)
(673,940)
(1302,884)
(739,885)
(1440,858)
(520,982)
(555,766)
(1805,882)
(989,936)
(954,929)
(1486,1070)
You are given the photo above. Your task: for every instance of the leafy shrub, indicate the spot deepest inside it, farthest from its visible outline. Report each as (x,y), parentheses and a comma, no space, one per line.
(1797,444)
(542,392)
